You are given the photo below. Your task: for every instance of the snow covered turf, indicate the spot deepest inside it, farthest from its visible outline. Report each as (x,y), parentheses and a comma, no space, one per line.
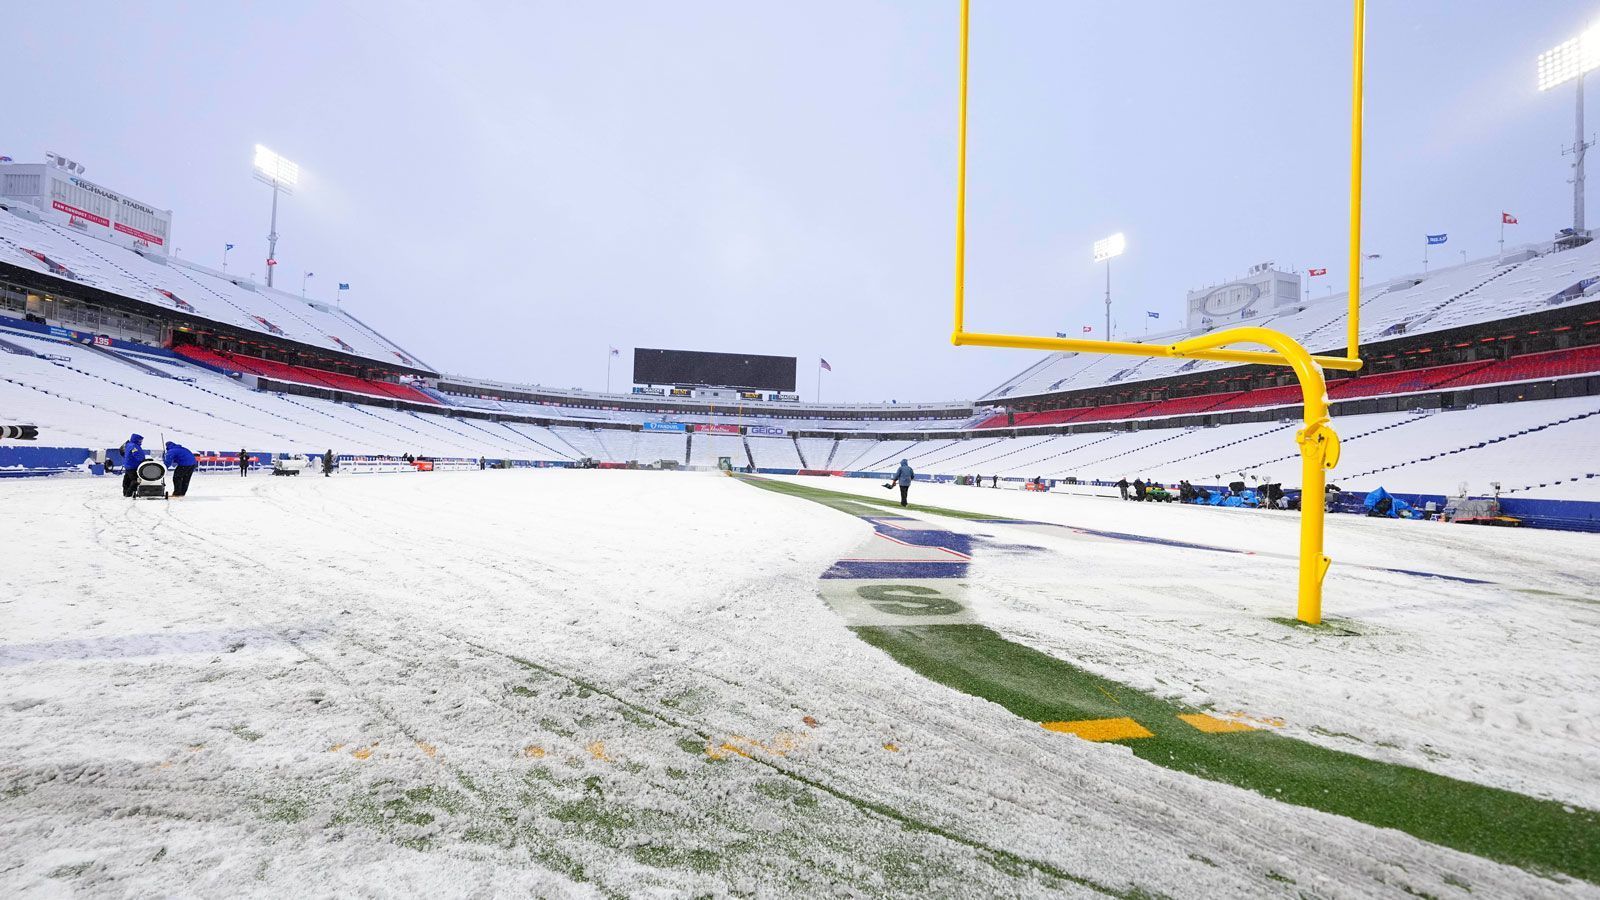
(614,683)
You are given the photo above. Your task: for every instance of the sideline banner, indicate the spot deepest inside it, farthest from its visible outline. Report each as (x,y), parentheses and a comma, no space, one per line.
(766,430)
(663,426)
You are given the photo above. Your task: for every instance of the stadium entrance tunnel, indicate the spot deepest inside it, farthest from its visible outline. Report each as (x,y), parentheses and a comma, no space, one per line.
(904,591)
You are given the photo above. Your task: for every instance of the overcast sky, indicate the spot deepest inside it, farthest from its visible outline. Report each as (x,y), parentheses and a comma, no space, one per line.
(511,188)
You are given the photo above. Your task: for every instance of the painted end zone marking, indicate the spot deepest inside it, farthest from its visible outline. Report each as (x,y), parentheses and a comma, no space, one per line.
(1101,729)
(956,553)
(1214,725)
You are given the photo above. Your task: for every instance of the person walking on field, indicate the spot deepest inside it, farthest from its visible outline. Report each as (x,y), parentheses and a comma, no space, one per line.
(327,464)
(903,477)
(1122,485)
(182,463)
(244,463)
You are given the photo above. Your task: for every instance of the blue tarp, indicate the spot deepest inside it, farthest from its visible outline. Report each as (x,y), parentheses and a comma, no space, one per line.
(1396,508)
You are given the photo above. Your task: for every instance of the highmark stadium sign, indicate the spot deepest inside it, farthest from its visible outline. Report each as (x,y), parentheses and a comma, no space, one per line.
(68,199)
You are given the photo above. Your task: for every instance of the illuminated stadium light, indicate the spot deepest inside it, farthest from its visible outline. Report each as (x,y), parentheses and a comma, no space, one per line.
(276,170)
(1570,59)
(1105,248)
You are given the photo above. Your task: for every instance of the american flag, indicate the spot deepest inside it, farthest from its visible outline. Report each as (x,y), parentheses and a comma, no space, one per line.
(825,364)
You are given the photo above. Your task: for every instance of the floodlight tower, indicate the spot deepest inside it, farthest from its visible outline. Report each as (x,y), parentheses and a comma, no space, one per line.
(1104,250)
(1570,61)
(282,175)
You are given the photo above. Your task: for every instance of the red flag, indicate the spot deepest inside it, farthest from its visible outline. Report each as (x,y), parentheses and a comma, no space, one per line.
(1507,219)
(1315,272)
(1087,329)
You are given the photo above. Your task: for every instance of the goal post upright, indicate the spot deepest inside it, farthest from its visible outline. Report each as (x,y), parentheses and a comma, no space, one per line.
(1358,53)
(1319,444)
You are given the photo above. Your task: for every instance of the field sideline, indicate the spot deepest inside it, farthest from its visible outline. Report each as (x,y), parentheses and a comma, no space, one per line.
(613,682)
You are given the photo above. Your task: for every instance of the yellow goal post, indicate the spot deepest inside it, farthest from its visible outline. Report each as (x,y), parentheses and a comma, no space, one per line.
(1319,444)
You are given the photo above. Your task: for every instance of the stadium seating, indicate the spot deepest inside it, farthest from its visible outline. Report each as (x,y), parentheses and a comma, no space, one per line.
(1554,364)
(1479,291)
(1186,406)
(321,378)
(181,286)
(1404,382)
(774,452)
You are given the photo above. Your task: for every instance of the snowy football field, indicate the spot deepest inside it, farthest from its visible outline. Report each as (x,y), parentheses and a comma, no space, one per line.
(561,682)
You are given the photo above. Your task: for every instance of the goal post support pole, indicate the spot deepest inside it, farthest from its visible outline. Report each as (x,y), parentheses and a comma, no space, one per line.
(1319,443)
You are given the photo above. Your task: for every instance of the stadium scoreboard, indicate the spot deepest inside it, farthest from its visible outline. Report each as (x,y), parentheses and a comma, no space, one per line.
(703,369)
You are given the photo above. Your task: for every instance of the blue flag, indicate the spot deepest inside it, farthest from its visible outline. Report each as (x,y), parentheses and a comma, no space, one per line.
(344,285)
(227,246)
(1438,238)
(1153,315)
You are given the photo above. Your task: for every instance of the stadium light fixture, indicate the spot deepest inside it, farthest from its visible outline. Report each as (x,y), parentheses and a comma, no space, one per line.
(282,175)
(1104,250)
(274,169)
(1568,61)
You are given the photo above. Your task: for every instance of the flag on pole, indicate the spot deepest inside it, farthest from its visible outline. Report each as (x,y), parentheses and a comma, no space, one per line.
(1153,315)
(615,352)
(227,246)
(311,274)
(1315,272)
(1088,329)
(344,285)
(1061,334)
(824,364)
(1438,238)
(1507,219)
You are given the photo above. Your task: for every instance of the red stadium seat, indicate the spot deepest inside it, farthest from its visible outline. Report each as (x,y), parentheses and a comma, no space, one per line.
(267,368)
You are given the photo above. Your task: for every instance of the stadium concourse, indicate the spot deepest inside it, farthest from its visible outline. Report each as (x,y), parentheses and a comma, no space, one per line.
(782,681)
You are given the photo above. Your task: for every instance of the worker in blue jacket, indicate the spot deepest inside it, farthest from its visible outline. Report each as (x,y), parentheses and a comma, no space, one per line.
(182,463)
(132,454)
(903,477)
